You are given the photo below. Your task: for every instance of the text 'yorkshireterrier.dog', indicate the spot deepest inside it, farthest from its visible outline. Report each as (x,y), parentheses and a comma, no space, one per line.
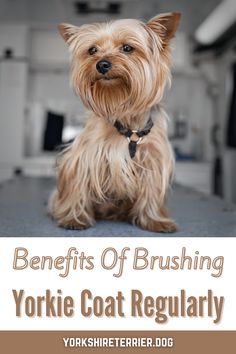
(121,165)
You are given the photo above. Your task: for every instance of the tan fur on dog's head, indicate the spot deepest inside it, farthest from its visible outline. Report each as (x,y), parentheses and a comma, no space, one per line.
(137,77)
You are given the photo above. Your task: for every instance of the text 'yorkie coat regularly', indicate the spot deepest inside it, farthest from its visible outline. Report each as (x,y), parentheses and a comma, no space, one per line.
(121,165)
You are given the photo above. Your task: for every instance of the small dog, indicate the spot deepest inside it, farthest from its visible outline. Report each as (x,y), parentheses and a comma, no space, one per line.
(121,166)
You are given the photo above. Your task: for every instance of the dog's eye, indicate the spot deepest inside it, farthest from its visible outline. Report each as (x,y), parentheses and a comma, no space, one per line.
(92,50)
(127,48)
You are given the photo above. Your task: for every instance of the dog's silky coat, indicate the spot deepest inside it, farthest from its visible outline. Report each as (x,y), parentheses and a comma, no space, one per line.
(119,69)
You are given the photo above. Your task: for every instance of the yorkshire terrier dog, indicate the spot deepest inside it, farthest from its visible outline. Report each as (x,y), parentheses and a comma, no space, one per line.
(121,165)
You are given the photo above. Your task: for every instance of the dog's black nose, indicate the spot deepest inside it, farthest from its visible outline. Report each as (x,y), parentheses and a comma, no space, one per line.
(103,66)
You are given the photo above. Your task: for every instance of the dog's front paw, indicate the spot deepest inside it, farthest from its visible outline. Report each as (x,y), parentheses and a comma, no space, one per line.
(73,225)
(164,226)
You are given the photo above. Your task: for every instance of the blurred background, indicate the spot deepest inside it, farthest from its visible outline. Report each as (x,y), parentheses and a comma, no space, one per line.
(39,111)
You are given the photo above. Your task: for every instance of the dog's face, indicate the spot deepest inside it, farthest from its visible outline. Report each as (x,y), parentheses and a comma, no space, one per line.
(121,67)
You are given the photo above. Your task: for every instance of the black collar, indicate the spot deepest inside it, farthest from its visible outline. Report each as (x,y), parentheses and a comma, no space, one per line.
(128,133)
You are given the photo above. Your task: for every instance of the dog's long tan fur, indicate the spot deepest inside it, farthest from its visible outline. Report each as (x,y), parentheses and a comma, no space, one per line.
(96,176)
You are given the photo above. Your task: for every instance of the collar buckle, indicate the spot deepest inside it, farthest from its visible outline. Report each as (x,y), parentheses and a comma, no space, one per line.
(135,141)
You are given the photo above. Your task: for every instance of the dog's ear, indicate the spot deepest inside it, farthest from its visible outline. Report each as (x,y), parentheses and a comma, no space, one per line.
(165,25)
(67,31)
